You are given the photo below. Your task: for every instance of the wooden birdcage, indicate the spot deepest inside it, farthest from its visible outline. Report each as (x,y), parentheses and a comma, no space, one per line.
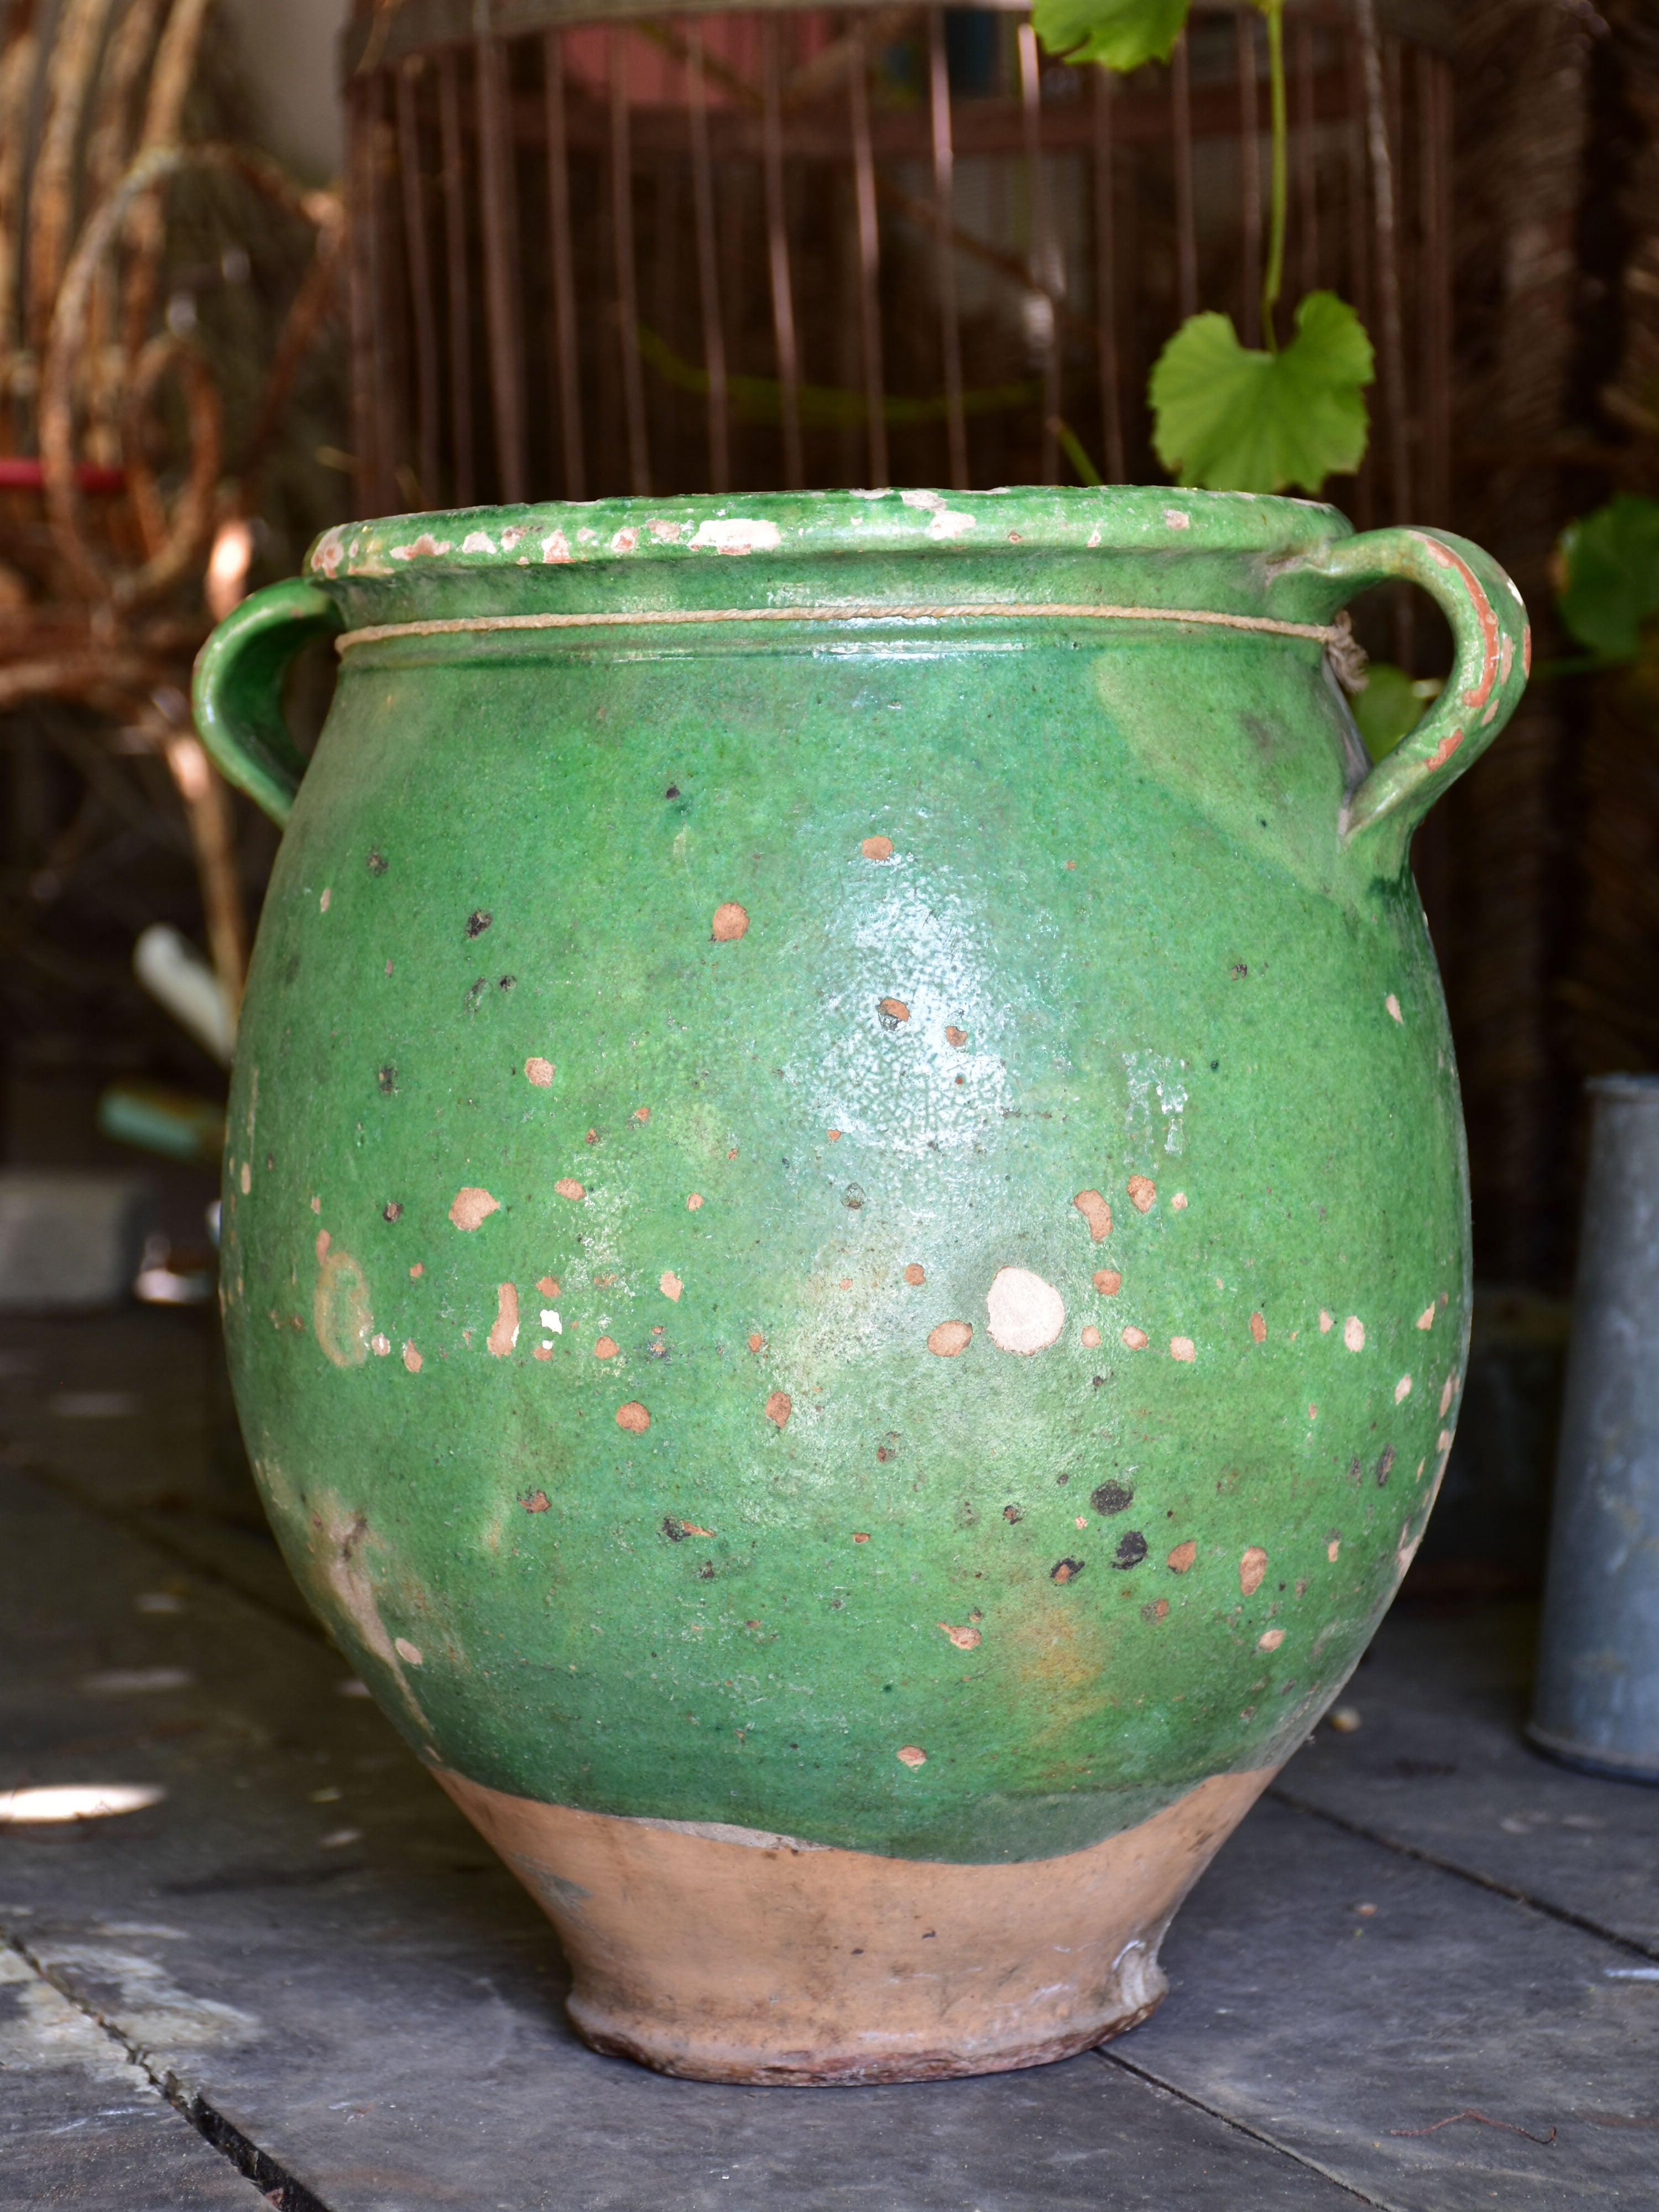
(598,253)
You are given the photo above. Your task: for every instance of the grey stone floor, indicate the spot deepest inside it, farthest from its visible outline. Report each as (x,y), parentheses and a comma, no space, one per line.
(299,1980)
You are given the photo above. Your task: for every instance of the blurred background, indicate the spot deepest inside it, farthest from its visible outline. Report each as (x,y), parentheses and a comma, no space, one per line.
(263,269)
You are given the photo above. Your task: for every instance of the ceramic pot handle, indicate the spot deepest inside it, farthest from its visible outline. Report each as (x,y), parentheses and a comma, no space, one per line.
(1492,643)
(237,693)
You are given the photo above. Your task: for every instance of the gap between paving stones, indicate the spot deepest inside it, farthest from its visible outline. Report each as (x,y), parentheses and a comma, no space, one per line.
(1110,2056)
(1581,1921)
(281,2189)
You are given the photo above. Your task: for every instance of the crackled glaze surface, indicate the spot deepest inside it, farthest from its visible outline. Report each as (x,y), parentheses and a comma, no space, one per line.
(854,1229)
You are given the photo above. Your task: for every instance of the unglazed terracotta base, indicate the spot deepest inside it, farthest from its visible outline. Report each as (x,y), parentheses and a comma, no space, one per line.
(726,1954)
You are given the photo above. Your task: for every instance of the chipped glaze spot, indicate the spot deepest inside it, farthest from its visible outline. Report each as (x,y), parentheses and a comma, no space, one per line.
(666,532)
(1252,1567)
(1402,1389)
(540,1073)
(732,534)
(470,1207)
(633,1418)
(425,547)
(945,525)
(1184,1348)
(1425,1319)
(950,1338)
(556,550)
(624,541)
(670,1285)
(694,1202)
(541,1351)
(1107,1282)
(1136,1339)
(729,923)
(1090,1337)
(1097,1212)
(877,848)
(1184,1556)
(911,1756)
(894,1009)
(548,1316)
(477,541)
(1026,1315)
(1326,1323)
(1333,1548)
(340,1310)
(756,1342)
(1142,1194)
(568,1186)
(1179,1201)
(1393,1005)
(329,552)
(417,1271)
(322,904)
(1270,1639)
(1354,1333)
(1175,519)
(548,1286)
(412,1359)
(606,1348)
(916,1274)
(954,1035)
(504,1332)
(1447,1395)
(641,1115)
(965,1639)
(778,1406)
(408,1652)
(1258,1327)
(246,1178)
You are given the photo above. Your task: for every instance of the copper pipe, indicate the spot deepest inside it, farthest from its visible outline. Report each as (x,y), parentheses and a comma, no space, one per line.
(1180,120)
(777,247)
(1111,398)
(420,280)
(708,274)
(1043,271)
(863,185)
(1307,155)
(501,259)
(1249,178)
(459,286)
(564,268)
(628,301)
(213,837)
(944,266)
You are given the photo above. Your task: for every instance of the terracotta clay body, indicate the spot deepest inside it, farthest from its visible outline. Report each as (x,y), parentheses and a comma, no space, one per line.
(845,1229)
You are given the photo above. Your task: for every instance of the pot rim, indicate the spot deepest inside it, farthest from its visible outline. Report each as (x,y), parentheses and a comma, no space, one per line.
(687,528)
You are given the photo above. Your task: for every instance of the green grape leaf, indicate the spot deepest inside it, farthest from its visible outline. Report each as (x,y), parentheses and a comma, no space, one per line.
(1122,33)
(1611,562)
(1389,707)
(1234,420)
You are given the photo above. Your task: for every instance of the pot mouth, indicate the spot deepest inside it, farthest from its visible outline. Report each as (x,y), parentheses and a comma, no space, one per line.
(773,530)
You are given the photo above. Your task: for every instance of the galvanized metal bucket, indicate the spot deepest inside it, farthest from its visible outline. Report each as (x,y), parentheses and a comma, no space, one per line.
(1597,1699)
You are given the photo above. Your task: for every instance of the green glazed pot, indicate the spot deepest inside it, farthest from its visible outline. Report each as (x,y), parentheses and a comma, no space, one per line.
(846,1238)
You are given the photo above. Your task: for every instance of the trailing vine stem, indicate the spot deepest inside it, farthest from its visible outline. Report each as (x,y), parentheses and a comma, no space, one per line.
(1274,275)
